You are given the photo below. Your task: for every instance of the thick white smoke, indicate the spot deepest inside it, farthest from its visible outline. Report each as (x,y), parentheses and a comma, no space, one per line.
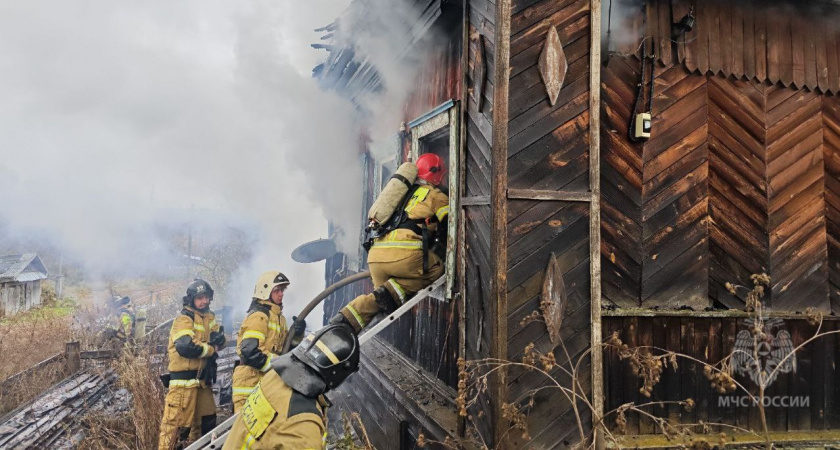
(114,115)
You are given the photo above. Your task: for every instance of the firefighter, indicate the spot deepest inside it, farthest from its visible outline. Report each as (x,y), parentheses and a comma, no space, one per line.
(286,411)
(121,331)
(261,335)
(401,262)
(194,341)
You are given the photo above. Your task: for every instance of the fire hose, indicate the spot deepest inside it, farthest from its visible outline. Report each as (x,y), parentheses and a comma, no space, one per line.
(320,297)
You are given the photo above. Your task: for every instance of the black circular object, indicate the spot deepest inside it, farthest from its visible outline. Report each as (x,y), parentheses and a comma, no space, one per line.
(314,251)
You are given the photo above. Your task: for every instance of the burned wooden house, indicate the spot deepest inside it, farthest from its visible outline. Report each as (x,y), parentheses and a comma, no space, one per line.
(618,168)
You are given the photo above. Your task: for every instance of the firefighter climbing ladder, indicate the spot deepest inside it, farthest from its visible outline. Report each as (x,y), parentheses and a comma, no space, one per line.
(215,439)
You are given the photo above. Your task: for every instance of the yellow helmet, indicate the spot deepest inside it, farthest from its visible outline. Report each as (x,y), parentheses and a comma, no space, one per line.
(267,282)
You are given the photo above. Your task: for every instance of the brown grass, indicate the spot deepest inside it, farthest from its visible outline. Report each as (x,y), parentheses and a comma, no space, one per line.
(138,428)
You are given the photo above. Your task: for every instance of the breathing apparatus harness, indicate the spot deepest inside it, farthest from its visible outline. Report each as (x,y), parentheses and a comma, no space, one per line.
(400,220)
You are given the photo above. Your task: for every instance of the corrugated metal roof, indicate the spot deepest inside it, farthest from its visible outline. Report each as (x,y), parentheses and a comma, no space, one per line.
(12,267)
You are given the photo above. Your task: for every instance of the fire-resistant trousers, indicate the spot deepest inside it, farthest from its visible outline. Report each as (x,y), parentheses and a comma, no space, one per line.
(402,278)
(245,379)
(185,408)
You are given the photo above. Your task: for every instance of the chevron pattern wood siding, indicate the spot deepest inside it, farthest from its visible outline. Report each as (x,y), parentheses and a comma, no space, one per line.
(738,193)
(674,215)
(796,200)
(548,149)
(621,188)
(736,180)
(831,158)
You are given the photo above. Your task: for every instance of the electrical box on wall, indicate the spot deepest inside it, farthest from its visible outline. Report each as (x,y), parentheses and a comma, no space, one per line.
(641,128)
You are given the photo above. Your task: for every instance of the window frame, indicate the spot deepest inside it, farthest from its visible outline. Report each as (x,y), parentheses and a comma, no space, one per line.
(444,116)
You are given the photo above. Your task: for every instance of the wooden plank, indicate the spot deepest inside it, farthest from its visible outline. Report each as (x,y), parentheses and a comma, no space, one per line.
(715,36)
(480,200)
(529,91)
(645,330)
(572,236)
(816,388)
(632,383)
(659,330)
(571,13)
(832,387)
(822,57)
(534,14)
(737,54)
(536,130)
(774,44)
(800,380)
(760,27)
(713,356)
(703,341)
(679,8)
(673,377)
(535,194)
(690,371)
(809,51)
(498,296)
(833,64)
(748,18)
(527,243)
(664,20)
(785,42)
(724,36)
(700,47)
(798,33)
(538,114)
(728,330)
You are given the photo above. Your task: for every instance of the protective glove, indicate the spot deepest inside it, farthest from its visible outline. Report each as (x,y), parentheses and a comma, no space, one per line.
(217,338)
(298,330)
(208,374)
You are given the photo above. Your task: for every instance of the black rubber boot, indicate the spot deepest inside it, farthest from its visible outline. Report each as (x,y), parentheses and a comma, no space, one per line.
(339,318)
(207,424)
(183,437)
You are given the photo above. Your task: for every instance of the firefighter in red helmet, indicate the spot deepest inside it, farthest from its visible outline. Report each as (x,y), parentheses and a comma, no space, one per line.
(401,262)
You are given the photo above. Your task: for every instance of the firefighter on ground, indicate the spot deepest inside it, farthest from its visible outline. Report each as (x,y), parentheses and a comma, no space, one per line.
(194,341)
(401,262)
(121,331)
(286,411)
(262,335)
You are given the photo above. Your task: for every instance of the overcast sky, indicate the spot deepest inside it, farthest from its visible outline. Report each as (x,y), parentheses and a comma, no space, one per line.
(112,110)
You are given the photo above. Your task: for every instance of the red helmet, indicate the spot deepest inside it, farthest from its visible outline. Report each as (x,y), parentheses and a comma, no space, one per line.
(430,168)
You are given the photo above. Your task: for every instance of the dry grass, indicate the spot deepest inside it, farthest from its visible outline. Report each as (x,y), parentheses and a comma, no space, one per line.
(30,386)
(29,338)
(138,428)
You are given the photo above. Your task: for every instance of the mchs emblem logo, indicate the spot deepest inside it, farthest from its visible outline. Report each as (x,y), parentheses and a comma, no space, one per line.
(199,289)
(762,356)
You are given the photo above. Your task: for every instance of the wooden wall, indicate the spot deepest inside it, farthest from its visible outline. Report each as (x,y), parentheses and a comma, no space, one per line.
(429,335)
(478,218)
(548,150)
(793,43)
(710,340)
(738,178)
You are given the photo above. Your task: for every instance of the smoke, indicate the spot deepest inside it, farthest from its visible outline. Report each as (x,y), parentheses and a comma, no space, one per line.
(318,129)
(380,32)
(118,117)
(617,31)
(121,120)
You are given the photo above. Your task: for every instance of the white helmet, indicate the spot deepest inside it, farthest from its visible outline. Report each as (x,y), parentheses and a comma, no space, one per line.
(267,282)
